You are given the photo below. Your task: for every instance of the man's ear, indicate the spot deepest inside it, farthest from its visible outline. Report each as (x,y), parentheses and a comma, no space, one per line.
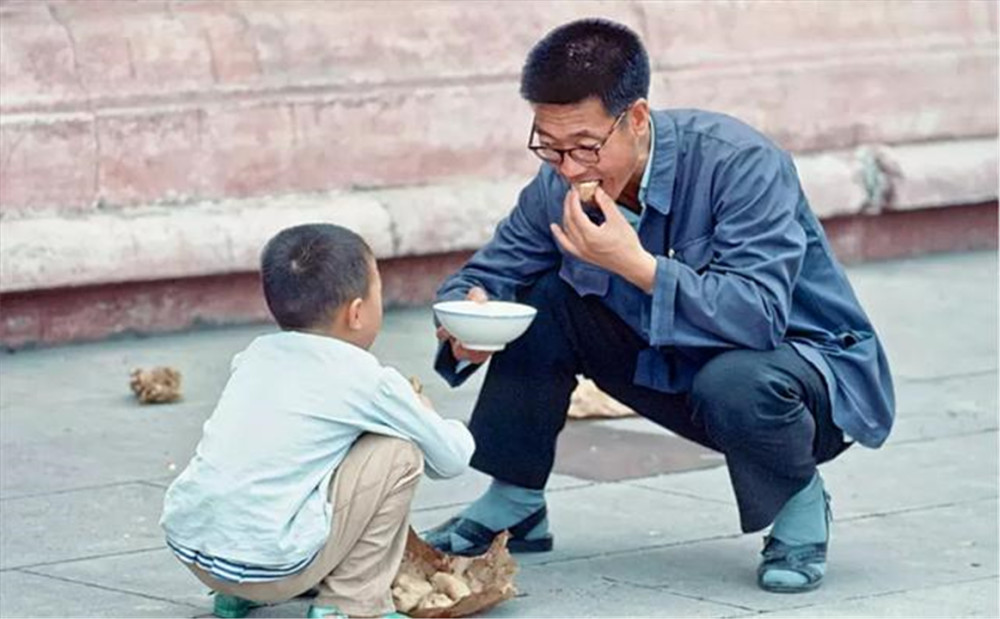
(354,314)
(638,117)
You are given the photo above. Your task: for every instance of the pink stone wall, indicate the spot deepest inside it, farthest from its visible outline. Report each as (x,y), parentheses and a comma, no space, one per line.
(119,104)
(147,146)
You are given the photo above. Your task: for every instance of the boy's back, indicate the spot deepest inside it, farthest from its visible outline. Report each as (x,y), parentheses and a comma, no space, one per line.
(301,480)
(255,492)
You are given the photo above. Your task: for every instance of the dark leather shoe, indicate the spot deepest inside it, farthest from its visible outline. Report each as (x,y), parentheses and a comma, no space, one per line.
(481,537)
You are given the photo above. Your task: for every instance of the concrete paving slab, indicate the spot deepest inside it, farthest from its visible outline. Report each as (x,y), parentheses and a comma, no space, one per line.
(94,443)
(154,573)
(977,598)
(80,464)
(632,423)
(937,315)
(295,608)
(913,475)
(866,481)
(589,521)
(94,432)
(709,485)
(29,595)
(938,408)
(930,408)
(100,369)
(869,556)
(572,590)
(589,450)
(82,524)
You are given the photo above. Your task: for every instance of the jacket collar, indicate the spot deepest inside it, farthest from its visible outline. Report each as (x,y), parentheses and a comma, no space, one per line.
(659,194)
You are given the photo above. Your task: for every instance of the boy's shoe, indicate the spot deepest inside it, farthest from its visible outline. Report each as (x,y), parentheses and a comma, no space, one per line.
(806,560)
(481,536)
(332,612)
(232,607)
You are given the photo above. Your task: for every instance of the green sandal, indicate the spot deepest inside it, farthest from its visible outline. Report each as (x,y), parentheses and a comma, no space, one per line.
(232,607)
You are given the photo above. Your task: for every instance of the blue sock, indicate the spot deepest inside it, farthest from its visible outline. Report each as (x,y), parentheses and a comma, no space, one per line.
(503,505)
(803,518)
(801,521)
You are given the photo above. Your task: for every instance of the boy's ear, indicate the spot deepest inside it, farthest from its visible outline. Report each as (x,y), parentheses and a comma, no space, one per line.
(354,314)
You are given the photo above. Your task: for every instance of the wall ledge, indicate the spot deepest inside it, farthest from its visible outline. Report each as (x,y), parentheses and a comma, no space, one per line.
(160,242)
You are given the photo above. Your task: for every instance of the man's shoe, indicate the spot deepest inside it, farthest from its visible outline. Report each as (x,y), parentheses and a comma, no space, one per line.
(232,607)
(481,536)
(807,560)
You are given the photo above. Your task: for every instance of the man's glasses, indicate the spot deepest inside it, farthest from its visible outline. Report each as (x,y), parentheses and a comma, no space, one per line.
(587,155)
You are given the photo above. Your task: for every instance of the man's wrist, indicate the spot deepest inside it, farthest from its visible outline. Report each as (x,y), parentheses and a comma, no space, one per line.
(642,272)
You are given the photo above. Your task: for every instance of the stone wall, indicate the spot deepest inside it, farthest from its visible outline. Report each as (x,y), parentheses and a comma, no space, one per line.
(154,145)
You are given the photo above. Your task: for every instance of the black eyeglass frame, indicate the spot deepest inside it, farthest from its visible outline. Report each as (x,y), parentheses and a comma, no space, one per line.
(576,151)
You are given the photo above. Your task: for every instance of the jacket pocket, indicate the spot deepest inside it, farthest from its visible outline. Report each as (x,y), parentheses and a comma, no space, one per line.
(584,278)
(849,338)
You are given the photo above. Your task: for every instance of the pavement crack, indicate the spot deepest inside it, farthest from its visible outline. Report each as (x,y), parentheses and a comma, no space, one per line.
(687,495)
(154,484)
(946,377)
(93,585)
(86,558)
(928,439)
(717,538)
(617,553)
(115,484)
(666,589)
(951,583)
(879,594)
(918,508)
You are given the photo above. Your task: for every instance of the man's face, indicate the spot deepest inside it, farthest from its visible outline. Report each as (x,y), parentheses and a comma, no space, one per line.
(587,123)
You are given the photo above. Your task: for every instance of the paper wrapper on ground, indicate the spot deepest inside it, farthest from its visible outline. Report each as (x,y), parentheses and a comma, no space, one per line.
(489,578)
(156,386)
(588,402)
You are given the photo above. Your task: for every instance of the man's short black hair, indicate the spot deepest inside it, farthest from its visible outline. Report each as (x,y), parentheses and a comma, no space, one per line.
(587,58)
(309,271)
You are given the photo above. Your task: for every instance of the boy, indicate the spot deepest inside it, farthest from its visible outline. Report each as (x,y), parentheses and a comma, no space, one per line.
(306,469)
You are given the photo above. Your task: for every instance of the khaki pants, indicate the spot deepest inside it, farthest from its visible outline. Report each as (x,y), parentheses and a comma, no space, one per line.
(371,493)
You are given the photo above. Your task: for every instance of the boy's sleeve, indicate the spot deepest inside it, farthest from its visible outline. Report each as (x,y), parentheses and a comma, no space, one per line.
(447,444)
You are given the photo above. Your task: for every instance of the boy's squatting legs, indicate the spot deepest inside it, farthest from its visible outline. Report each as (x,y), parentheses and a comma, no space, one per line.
(371,491)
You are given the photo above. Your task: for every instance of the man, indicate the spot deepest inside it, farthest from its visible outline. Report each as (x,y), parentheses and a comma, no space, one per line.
(700,290)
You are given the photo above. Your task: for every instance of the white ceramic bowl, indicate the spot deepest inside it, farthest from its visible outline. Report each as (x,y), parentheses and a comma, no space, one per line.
(484,326)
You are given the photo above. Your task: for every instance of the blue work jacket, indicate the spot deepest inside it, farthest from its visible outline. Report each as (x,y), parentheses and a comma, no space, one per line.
(742,262)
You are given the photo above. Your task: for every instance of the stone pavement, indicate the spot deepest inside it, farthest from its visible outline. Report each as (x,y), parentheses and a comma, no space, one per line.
(647,529)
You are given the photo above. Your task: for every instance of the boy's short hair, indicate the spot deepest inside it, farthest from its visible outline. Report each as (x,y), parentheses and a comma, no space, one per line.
(309,271)
(587,58)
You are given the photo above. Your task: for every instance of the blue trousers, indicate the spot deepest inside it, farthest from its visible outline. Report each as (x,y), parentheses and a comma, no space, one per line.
(768,412)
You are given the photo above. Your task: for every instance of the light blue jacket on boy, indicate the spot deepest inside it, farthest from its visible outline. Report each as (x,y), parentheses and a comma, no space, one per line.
(255,494)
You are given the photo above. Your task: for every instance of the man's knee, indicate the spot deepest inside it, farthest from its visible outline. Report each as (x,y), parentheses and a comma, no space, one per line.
(733,395)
